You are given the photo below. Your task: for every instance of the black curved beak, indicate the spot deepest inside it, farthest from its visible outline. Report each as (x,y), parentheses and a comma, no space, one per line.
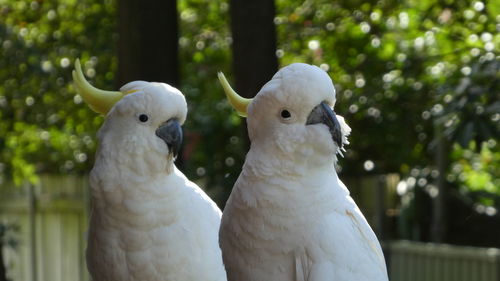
(322,113)
(171,133)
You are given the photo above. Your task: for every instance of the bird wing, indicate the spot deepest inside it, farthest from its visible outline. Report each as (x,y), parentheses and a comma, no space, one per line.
(341,246)
(361,224)
(366,232)
(302,268)
(306,270)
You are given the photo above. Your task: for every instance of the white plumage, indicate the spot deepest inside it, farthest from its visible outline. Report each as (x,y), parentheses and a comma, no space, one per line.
(289,217)
(148,221)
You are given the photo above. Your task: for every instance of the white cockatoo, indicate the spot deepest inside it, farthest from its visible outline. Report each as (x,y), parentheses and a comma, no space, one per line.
(289,217)
(148,221)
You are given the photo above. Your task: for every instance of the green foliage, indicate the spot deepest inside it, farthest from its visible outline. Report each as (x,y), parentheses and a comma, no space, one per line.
(404,71)
(8,235)
(400,69)
(477,173)
(395,65)
(472,103)
(214,148)
(44,127)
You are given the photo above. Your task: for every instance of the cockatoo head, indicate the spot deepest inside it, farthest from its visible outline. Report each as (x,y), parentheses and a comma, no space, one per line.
(143,122)
(294,111)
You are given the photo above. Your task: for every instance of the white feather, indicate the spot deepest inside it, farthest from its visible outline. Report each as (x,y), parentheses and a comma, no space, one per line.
(289,217)
(148,221)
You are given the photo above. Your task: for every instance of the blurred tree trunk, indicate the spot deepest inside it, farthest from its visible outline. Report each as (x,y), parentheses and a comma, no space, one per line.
(439,221)
(254,45)
(148,43)
(3,272)
(148,37)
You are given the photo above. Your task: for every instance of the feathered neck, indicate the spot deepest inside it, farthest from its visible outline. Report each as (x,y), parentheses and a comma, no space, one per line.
(137,161)
(273,161)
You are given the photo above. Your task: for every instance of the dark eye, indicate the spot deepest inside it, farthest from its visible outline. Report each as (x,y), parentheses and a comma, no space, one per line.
(143,118)
(285,114)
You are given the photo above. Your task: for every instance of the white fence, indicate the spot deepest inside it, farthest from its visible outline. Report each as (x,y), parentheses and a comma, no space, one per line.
(52,220)
(414,261)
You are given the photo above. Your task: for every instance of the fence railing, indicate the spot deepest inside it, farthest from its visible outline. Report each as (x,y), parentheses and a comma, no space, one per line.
(415,261)
(52,220)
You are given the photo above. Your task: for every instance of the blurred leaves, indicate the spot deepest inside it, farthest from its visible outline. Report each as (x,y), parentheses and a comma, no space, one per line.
(44,127)
(400,69)
(8,235)
(475,171)
(472,108)
(214,147)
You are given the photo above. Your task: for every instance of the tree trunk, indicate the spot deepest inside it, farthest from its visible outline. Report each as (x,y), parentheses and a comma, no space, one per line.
(380,206)
(148,37)
(254,44)
(3,271)
(148,43)
(438,228)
